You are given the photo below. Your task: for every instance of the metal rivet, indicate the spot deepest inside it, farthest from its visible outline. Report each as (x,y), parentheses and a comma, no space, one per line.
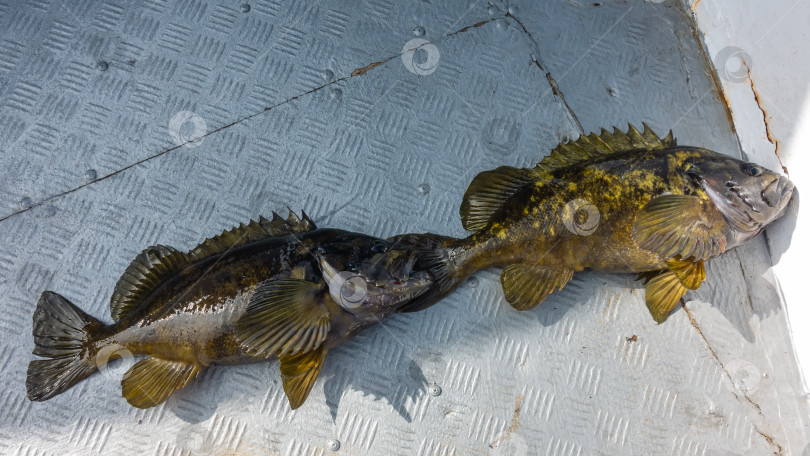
(328,75)
(472,282)
(91,174)
(336,94)
(26,202)
(419,30)
(513,10)
(50,211)
(434,390)
(244,7)
(102,65)
(334,444)
(424,189)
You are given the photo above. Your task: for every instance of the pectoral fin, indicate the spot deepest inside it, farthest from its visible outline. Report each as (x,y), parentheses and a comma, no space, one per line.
(687,226)
(526,286)
(151,381)
(664,291)
(690,273)
(299,372)
(284,317)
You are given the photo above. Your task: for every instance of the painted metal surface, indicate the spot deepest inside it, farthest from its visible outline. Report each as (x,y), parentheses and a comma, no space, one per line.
(164,122)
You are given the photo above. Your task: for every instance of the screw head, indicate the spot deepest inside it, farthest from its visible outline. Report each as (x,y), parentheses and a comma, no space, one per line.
(334,444)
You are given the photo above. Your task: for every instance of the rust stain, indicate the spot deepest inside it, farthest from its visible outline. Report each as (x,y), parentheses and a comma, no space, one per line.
(694,6)
(765,117)
(367,68)
(513,425)
(631,339)
(477,24)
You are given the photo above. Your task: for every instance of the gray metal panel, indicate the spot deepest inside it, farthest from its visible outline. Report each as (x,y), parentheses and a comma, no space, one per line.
(95,86)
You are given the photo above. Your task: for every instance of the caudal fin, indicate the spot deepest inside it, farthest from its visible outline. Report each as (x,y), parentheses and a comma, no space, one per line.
(62,333)
(433,254)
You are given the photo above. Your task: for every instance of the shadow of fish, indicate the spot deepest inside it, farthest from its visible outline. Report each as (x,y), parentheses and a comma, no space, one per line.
(272,288)
(612,202)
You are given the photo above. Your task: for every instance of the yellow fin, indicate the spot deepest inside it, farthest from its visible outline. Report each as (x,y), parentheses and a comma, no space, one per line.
(299,372)
(151,381)
(663,293)
(146,272)
(687,226)
(487,193)
(690,273)
(284,317)
(253,231)
(525,286)
(605,143)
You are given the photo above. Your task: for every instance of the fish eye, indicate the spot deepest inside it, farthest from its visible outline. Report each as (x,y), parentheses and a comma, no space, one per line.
(752,170)
(379,247)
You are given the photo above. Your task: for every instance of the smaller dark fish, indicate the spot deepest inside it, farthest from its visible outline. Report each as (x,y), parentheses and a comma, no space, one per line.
(272,288)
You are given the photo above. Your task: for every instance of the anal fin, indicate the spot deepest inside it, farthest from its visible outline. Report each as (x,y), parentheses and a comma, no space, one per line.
(526,286)
(299,372)
(663,293)
(151,381)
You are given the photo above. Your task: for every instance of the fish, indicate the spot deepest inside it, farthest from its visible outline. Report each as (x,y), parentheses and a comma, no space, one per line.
(278,288)
(615,202)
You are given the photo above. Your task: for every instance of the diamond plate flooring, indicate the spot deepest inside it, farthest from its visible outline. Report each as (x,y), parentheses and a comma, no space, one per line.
(125,124)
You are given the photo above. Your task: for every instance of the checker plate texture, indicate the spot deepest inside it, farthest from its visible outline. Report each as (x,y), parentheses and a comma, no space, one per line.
(92,170)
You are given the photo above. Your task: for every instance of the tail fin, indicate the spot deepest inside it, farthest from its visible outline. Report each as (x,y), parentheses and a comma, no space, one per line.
(434,256)
(62,332)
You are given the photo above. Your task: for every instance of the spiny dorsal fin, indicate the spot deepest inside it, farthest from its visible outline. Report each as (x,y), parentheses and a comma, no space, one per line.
(487,193)
(606,143)
(253,231)
(146,272)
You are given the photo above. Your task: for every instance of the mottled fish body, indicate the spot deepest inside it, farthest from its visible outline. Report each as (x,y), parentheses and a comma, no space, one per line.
(612,202)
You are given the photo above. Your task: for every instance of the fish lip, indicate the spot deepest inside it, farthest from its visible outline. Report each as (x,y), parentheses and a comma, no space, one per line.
(773,197)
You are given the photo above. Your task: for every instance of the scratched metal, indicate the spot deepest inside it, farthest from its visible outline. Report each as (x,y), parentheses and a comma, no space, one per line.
(93,99)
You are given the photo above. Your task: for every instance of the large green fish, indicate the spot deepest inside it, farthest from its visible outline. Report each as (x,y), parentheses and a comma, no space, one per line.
(613,202)
(272,288)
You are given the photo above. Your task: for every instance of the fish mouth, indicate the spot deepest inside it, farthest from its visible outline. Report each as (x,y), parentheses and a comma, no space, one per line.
(739,219)
(778,192)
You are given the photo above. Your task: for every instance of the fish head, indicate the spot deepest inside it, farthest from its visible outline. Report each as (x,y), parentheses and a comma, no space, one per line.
(748,196)
(377,278)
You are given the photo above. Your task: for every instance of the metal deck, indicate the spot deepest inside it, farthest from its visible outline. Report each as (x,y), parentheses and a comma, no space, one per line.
(123,126)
